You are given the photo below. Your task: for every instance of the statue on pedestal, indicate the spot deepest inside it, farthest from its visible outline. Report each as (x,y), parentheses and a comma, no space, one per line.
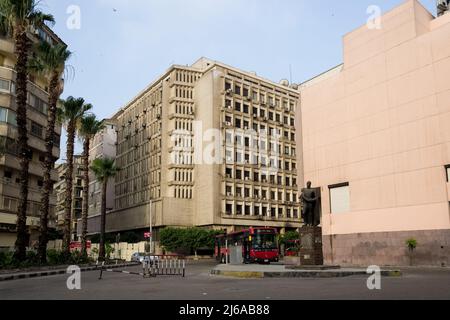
(309,198)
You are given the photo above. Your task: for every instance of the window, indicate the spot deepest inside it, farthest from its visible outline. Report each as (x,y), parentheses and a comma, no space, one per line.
(447,169)
(8,116)
(36,129)
(4,85)
(340,198)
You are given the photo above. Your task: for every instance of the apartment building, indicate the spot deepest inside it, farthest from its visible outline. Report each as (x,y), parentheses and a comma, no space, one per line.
(376,140)
(210,146)
(37,122)
(77,194)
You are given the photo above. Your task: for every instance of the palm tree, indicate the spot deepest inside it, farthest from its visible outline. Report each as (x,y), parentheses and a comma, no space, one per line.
(17,19)
(89,127)
(72,112)
(103,168)
(49,60)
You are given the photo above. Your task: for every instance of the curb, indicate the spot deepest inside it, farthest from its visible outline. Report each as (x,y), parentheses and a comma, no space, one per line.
(299,274)
(38,274)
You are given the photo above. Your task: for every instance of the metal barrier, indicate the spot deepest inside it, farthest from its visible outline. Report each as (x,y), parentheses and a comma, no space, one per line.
(155,265)
(165,265)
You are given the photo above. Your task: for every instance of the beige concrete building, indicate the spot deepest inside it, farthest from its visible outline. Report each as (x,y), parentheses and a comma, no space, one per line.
(77,194)
(376,140)
(201,143)
(37,122)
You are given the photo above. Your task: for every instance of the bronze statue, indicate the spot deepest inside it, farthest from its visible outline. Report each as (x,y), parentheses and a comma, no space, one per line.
(309,198)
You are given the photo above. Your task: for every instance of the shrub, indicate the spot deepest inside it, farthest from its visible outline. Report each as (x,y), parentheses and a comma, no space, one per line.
(6,259)
(411,244)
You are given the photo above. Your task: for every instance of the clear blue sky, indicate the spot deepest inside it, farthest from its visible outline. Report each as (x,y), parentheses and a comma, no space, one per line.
(123,45)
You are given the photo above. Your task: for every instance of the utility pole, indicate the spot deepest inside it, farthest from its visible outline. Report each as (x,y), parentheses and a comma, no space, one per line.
(151,228)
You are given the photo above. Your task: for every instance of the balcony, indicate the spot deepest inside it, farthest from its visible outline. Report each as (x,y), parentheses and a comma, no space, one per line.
(36,168)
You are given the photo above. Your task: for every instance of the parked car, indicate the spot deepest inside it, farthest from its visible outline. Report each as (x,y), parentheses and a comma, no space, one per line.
(141,257)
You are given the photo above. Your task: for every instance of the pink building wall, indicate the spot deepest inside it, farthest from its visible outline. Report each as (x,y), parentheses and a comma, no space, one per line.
(381,122)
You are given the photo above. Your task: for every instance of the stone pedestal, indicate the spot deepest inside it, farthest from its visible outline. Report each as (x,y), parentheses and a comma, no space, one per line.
(311,252)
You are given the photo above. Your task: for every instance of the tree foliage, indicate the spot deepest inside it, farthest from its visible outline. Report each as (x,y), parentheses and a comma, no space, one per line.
(288,236)
(187,240)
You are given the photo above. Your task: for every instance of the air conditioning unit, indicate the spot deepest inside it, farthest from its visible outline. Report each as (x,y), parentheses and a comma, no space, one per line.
(229,194)
(229,91)
(249,98)
(247,179)
(228,176)
(158,116)
(255,116)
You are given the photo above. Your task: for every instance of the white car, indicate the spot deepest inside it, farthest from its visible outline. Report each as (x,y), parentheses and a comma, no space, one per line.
(141,257)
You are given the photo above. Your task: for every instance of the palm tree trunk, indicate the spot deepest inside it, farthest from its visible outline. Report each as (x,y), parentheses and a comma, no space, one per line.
(101,254)
(48,166)
(85,212)
(22,47)
(69,188)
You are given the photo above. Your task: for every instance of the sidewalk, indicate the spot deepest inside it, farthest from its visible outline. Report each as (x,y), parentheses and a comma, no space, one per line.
(280,271)
(57,271)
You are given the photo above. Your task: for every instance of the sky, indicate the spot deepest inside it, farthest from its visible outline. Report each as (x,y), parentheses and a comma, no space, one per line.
(120,46)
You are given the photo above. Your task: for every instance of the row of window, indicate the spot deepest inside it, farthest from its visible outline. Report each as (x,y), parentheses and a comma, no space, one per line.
(137,198)
(260,112)
(253,158)
(186,76)
(183,175)
(256,210)
(260,193)
(182,192)
(184,92)
(256,176)
(258,95)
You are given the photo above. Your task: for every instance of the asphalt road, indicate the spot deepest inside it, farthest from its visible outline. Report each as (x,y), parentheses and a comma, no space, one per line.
(199,285)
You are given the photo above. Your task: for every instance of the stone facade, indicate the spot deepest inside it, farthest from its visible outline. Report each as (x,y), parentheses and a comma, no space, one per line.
(388,248)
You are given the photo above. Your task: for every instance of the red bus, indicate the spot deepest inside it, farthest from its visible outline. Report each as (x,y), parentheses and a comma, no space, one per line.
(259,245)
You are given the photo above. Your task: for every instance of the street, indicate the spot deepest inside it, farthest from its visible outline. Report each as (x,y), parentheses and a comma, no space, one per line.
(417,283)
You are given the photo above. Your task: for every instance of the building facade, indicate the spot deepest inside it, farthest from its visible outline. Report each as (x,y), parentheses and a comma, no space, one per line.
(376,140)
(210,146)
(77,194)
(37,122)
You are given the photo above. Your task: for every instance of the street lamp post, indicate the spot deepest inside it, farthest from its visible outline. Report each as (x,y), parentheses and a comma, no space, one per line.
(151,229)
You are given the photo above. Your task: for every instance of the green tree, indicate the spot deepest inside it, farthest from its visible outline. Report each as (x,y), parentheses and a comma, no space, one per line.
(50,61)
(17,18)
(289,236)
(188,240)
(89,127)
(71,113)
(104,169)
